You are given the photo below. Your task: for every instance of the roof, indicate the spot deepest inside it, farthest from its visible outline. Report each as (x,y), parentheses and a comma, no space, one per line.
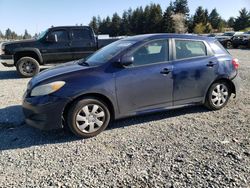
(167,35)
(63,27)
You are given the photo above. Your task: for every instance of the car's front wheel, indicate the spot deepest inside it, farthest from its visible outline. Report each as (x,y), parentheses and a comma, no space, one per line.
(88,117)
(218,96)
(27,67)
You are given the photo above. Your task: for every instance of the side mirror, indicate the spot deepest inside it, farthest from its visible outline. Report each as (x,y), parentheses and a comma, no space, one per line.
(127,60)
(51,38)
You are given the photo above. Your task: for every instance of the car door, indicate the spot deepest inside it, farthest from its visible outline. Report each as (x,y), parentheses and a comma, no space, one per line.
(83,42)
(147,84)
(59,50)
(194,69)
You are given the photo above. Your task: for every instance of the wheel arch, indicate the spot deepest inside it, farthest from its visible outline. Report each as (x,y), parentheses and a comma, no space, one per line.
(226,80)
(98,96)
(28,52)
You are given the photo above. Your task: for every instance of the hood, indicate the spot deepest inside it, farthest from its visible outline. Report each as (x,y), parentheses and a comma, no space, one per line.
(20,43)
(56,71)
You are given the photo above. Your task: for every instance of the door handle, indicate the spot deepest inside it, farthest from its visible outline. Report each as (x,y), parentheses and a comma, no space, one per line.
(166,71)
(211,64)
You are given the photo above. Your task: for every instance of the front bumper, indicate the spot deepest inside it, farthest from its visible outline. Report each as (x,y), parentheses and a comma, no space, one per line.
(7,60)
(45,113)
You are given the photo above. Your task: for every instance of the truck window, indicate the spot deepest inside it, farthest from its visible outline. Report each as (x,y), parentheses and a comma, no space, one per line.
(81,34)
(61,35)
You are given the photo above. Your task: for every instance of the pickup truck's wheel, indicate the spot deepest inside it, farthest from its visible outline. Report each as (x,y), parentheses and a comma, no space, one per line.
(27,67)
(88,117)
(229,45)
(218,96)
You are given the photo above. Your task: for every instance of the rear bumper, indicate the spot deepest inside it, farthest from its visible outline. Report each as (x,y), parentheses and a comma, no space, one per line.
(236,82)
(7,60)
(45,113)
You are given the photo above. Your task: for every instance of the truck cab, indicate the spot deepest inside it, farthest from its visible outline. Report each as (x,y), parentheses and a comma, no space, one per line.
(55,45)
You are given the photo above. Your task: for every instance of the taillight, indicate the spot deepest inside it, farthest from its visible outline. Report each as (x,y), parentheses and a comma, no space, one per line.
(235,63)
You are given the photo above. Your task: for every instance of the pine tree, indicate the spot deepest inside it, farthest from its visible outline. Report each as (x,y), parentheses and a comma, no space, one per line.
(215,19)
(230,22)
(243,20)
(153,17)
(115,25)
(125,24)
(26,35)
(8,33)
(167,21)
(94,25)
(105,25)
(181,7)
(200,16)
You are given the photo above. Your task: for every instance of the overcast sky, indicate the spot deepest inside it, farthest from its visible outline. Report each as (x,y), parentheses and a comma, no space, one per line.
(37,15)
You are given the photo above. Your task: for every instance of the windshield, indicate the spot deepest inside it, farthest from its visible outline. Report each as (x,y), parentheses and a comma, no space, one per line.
(108,52)
(247,32)
(42,34)
(228,34)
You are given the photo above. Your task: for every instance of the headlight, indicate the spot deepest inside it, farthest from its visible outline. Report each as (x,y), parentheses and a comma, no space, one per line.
(47,88)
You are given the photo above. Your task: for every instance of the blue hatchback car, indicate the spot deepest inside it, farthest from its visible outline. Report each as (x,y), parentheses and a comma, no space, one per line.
(133,76)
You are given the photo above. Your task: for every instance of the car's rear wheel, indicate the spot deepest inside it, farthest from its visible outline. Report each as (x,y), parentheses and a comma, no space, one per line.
(27,67)
(218,96)
(88,117)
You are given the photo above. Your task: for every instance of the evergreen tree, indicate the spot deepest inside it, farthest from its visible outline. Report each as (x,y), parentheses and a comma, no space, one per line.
(104,28)
(243,20)
(199,16)
(94,25)
(230,22)
(125,24)
(167,21)
(215,19)
(8,33)
(153,16)
(26,35)
(115,25)
(181,7)
(1,34)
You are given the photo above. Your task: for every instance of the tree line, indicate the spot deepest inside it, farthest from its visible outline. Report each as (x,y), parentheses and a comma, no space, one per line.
(175,19)
(11,35)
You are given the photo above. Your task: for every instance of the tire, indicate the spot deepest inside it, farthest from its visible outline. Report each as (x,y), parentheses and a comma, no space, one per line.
(27,67)
(218,96)
(88,117)
(229,45)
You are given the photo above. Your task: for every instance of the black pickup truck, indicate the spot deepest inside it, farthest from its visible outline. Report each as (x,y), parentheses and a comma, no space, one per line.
(55,45)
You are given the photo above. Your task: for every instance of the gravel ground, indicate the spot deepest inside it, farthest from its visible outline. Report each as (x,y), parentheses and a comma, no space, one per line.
(189,147)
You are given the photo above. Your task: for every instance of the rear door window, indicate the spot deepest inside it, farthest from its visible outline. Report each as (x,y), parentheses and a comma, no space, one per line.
(189,49)
(81,34)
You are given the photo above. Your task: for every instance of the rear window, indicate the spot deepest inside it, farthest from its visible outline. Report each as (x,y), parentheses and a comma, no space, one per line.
(218,48)
(81,34)
(189,49)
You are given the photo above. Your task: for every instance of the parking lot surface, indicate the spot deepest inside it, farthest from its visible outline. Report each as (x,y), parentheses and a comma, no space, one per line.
(190,147)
